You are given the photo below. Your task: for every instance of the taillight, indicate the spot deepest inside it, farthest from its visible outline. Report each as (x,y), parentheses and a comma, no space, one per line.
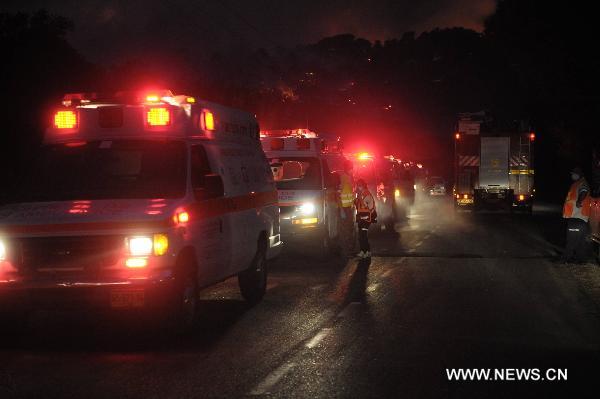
(66,119)
(207,120)
(158,116)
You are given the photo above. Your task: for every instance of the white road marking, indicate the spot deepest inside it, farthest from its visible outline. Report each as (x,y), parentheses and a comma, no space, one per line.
(387,273)
(272,379)
(318,338)
(318,287)
(419,244)
(410,251)
(373,287)
(346,310)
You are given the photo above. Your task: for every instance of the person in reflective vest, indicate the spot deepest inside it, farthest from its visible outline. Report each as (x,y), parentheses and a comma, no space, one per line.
(365,215)
(346,204)
(576,211)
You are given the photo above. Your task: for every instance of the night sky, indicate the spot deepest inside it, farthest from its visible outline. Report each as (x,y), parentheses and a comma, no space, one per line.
(106,31)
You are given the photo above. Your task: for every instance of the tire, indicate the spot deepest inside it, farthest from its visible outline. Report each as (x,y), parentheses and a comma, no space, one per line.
(183,308)
(253,281)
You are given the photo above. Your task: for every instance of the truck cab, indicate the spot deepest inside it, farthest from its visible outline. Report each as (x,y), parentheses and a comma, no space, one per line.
(301,164)
(138,201)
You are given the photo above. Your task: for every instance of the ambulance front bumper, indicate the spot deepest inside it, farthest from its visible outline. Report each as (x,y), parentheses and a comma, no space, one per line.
(148,291)
(300,228)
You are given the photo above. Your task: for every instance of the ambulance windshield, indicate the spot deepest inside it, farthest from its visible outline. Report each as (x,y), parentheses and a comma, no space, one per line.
(296,173)
(125,169)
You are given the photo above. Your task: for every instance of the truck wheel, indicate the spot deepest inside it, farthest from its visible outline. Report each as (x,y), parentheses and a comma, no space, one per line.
(253,281)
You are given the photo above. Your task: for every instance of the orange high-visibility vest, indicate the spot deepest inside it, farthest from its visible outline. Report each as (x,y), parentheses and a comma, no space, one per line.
(570,209)
(365,203)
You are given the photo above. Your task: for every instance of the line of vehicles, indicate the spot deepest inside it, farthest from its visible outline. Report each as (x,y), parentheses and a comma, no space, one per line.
(137,200)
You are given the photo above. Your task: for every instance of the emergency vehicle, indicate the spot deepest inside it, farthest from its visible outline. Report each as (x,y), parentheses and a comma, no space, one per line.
(493,163)
(303,166)
(138,200)
(380,175)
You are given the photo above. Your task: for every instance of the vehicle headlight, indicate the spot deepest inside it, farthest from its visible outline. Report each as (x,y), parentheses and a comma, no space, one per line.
(2,251)
(307,208)
(156,244)
(397,193)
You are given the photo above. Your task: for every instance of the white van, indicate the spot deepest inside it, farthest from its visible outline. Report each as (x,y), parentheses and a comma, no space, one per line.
(137,201)
(301,163)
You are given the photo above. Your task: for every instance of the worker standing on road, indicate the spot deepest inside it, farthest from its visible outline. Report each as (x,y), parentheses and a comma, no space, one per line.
(365,215)
(576,211)
(346,196)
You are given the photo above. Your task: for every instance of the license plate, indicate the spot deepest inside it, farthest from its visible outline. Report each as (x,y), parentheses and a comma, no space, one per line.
(465,201)
(127,298)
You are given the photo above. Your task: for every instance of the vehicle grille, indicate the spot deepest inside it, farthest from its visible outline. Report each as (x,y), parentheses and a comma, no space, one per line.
(85,254)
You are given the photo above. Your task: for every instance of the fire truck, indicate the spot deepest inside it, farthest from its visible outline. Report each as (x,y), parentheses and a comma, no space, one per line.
(303,166)
(493,164)
(136,201)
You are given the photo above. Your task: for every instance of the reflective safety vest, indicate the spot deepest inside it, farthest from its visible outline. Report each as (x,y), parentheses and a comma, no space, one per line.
(570,209)
(365,204)
(346,192)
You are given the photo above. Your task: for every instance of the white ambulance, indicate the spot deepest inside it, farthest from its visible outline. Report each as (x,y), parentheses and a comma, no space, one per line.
(302,164)
(138,201)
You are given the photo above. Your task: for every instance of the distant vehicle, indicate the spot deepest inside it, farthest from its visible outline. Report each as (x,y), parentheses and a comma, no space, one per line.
(137,201)
(437,186)
(303,166)
(380,174)
(493,164)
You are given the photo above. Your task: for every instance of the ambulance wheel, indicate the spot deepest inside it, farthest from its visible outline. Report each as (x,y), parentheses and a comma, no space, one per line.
(184,301)
(253,281)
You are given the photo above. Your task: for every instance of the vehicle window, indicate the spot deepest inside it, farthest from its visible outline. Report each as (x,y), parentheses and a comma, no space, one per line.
(104,170)
(291,173)
(200,165)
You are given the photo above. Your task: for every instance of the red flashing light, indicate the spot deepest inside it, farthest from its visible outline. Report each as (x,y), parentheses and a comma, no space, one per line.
(152,98)
(66,119)
(532,136)
(457,136)
(363,156)
(158,116)
(181,217)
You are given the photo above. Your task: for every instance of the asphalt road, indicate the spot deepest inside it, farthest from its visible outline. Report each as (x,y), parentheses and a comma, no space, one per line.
(442,291)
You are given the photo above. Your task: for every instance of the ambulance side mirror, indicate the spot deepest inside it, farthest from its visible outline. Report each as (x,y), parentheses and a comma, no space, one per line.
(213,188)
